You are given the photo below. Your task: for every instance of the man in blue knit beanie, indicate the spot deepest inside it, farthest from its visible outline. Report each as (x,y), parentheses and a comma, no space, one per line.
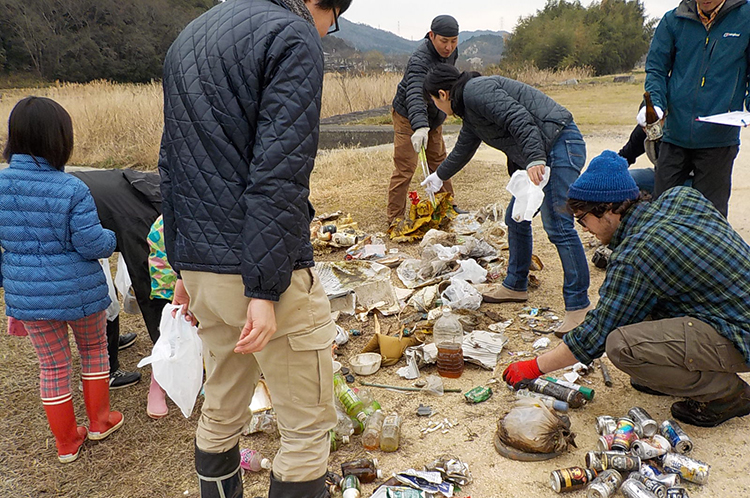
(674,308)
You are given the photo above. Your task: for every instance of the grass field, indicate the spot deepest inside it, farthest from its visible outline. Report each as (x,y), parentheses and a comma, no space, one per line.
(120,126)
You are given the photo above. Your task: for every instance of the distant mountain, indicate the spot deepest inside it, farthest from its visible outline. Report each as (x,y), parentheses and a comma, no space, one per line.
(481,51)
(365,38)
(467,35)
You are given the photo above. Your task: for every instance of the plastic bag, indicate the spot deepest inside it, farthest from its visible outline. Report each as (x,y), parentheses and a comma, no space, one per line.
(529,197)
(433,386)
(114,306)
(471,271)
(461,295)
(122,277)
(177,359)
(530,426)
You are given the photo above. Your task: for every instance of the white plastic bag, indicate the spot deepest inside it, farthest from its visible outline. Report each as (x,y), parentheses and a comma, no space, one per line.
(114,306)
(471,271)
(122,277)
(461,295)
(529,197)
(177,359)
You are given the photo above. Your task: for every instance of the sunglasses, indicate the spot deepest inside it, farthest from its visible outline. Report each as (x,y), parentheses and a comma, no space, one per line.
(335,27)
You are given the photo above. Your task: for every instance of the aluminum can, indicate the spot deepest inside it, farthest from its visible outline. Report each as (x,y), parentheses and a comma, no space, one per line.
(677,437)
(688,468)
(571,479)
(650,448)
(635,489)
(621,462)
(605,485)
(645,425)
(605,425)
(671,480)
(624,434)
(594,459)
(657,488)
(604,443)
(677,493)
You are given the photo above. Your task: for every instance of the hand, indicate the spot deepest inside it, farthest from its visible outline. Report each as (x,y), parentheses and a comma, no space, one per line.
(419,139)
(259,327)
(521,370)
(536,173)
(641,118)
(181,297)
(432,184)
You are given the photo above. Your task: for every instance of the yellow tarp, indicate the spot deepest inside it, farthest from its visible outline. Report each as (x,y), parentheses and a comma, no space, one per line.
(423,217)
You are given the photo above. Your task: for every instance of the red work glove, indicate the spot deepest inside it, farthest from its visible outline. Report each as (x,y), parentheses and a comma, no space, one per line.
(521,370)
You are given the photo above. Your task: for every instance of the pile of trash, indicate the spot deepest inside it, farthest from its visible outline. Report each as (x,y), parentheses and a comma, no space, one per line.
(637,456)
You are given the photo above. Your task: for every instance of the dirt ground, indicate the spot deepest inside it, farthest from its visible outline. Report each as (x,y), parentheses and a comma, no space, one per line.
(154,458)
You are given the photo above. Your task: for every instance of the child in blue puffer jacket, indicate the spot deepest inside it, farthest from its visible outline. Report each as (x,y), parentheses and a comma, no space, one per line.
(51,239)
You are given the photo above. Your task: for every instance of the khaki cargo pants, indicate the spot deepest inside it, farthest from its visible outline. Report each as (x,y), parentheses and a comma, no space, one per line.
(296,363)
(405,163)
(682,356)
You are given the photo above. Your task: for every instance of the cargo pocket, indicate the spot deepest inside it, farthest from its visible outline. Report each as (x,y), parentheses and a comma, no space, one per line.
(310,366)
(708,351)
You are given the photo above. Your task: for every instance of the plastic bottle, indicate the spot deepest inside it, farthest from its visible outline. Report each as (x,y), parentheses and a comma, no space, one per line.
(365,469)
(350,487)
(448,336)
(344,426)
(391,433)
(549,401)
(371,404)
(371,435)
(350,401)
(253,461)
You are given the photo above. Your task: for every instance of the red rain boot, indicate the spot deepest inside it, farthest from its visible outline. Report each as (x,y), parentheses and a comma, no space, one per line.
(62,420)
(102,422)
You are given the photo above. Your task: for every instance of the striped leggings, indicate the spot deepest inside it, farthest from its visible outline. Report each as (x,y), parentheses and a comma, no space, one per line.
(50,340)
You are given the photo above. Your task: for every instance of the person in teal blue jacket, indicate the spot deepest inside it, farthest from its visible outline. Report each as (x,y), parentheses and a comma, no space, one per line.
(698,66)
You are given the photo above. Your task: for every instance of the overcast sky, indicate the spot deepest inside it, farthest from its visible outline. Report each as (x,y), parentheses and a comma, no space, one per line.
(411,18)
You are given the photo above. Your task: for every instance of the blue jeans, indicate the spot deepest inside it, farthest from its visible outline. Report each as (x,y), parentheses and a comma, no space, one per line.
(644,178)
(566,159)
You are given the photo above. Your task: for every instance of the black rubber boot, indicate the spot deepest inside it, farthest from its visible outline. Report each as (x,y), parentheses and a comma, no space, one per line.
(219,473)
(305,489)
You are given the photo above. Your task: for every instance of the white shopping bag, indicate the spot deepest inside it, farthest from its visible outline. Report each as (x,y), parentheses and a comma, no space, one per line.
(177,359)
(529,197)
(114,306)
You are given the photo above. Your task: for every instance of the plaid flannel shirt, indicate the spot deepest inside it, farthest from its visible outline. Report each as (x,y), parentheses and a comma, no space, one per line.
(676,256)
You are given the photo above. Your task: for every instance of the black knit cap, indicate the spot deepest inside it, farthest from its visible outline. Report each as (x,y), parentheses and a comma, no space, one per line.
(444,26)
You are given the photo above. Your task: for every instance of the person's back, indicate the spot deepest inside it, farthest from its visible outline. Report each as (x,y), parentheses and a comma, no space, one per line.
(235,129)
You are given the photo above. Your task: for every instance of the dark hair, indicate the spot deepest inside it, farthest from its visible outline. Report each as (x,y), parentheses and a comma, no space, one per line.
(447,78)
(40,127)
(342,5)
(599,208)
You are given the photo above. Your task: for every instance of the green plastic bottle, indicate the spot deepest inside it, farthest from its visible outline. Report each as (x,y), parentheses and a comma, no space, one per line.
(350,401)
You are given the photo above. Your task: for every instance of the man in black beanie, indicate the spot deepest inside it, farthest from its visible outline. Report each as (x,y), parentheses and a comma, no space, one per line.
(674,308)
(417,123)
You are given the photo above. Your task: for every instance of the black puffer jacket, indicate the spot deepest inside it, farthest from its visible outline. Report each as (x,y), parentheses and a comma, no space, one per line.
(409,100)
(510,116)
(242,87)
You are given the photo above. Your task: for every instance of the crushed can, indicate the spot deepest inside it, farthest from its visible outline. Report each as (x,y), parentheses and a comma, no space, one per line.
(605,485)
(677,437)
(624,434)
(605,425)
(651,448)
(645,425)
(635,489)
(478,394)
(659,489)
(677,493)
(571,479)
(688,468)
(604,443)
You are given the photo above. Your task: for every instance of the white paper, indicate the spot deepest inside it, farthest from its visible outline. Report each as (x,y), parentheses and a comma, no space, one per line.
(734,118)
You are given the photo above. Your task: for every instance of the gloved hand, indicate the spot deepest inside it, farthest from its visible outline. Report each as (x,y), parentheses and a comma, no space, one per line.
(419,139)
(521,370)
(432,184)
(641,118)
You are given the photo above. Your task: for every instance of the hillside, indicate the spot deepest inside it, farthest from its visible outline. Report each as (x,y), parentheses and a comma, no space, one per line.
(481,51)
(366,38)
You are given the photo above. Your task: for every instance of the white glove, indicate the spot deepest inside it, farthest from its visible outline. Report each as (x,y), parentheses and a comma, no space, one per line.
(419,139)
(641,118)
(432,184)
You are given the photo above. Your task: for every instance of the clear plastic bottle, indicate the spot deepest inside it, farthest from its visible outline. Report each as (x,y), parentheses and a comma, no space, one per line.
(344,426)
(448,336)
(390,435)
(253,461)
(365,469)
(350,401)
(371,404)
(371,435)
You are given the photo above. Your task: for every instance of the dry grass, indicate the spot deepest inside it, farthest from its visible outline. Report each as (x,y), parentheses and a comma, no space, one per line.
(532,75)
(343,93)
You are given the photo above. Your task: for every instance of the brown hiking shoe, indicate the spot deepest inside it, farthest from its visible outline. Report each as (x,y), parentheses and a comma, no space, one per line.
(498,293)
(714,412)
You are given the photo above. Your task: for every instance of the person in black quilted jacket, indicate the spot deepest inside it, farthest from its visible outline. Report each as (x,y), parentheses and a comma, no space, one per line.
(242,90)
(417,123)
